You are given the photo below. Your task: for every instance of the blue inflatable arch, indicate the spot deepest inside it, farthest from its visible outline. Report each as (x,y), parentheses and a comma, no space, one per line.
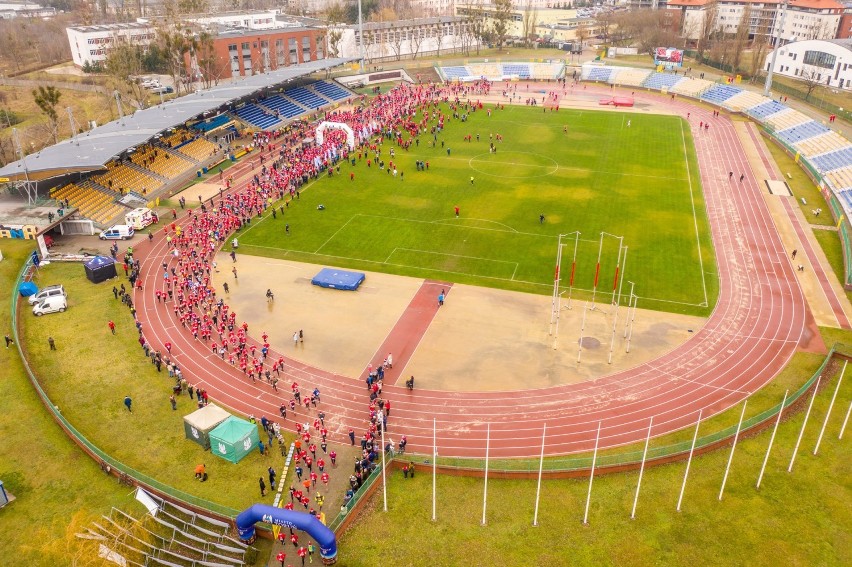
(288,519)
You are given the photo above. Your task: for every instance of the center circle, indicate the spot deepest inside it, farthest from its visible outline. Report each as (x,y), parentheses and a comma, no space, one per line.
(513,165)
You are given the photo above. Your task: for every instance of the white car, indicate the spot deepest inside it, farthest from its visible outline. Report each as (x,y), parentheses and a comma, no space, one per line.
(50,305)
(117,232)
(45,293)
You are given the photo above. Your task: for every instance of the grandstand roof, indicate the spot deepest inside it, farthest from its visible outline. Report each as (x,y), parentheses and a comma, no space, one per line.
(93,149)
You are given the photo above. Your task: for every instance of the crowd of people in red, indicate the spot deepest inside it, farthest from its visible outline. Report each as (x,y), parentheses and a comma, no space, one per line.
(284,163)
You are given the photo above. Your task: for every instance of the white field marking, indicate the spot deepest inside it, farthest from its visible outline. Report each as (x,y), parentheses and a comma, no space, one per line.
(455,221)
(539,284)
(330,238)
(563,167)
(694,216)
(513,231)
(263,218)
(451,255)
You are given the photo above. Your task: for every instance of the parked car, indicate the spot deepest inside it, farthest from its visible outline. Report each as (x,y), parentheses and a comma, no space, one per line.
(162,90)
(50,305)
(45,293)
(117,232)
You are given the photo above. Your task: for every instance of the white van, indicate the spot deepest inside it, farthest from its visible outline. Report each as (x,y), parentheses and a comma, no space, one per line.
(45,293)
(50,305)
(139,218)
(117,232)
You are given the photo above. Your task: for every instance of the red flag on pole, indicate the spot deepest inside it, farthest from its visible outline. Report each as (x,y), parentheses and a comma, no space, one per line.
(573,266)
(597,273)
(615,281)
(556,275)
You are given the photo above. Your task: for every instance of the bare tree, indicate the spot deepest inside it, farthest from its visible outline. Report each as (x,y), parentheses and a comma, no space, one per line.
(124,64)
(741,38)
(395,41)
(334,16)
(706,28)
(811,78)
(416,40)
(528,22)
(500,25)
(759,47)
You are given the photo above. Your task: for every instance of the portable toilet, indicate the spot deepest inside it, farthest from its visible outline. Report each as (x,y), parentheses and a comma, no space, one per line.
(139,218)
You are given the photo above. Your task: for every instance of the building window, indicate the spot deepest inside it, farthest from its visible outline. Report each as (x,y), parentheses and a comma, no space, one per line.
(294,53)
(306,48)
(819,59)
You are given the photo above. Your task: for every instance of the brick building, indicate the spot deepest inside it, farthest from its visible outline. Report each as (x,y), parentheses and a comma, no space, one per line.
(242,53)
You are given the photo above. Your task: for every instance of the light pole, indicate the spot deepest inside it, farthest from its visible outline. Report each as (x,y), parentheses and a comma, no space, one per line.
(361,35)
(768,85)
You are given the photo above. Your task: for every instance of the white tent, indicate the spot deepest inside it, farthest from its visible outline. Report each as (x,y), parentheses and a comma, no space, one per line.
(200,423)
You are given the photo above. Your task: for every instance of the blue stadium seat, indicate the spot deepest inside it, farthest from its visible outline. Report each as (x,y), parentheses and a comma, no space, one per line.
(456,72)
(766,109)
(658,81)
(802,131)
(283,106)
(833,160)
(252,114)
(330,90)
(305,97)
(212,124)
(600,74)
(521,70)
(718,94)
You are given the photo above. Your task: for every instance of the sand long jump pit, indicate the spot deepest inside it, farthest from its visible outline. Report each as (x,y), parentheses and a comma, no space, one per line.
(482,339)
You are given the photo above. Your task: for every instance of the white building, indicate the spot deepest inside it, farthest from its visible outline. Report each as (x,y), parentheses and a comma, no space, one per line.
(11,10)
(827,61)
(402,39)
(90,43)
(253,20)
(805,19)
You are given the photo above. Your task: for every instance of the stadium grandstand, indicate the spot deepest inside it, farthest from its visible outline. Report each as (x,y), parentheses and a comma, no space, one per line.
(143,152)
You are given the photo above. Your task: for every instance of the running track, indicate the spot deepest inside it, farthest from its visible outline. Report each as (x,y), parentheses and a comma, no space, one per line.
(758,323)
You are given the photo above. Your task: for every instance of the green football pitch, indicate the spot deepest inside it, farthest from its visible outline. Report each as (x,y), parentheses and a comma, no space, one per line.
(621,174)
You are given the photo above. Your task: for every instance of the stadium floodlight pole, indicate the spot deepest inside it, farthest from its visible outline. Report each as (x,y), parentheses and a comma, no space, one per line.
(642,469)
(597,270)
(845,421)
(434,457)
(592,476)
(768,84)
(485,491)
(582,328)
(804,424)
(540,468)
(689,461)
(361,37)
(772,439)
(384,481)
(733,447)
(830,407)
(573,266)
(629,305)
(616,283)
(557,276)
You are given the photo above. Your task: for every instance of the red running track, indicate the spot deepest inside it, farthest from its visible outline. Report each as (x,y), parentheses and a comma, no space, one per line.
(758,323)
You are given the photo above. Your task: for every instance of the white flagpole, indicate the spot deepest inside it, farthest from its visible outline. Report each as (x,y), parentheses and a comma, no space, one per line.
(772,439)
(642,468)
(804,423)
(434,467)
(689,461)
(845,421)
(384,482)
(592,476)
(540,467)
(485,492)
(830,407)
(733,446)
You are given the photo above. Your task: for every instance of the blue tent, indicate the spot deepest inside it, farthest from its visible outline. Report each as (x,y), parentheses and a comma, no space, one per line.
(100,268)
(27,289)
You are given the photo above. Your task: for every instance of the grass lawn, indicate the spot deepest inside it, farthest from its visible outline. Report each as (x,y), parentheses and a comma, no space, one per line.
(801,518)
(51,479)
(600,176)
(90,373)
